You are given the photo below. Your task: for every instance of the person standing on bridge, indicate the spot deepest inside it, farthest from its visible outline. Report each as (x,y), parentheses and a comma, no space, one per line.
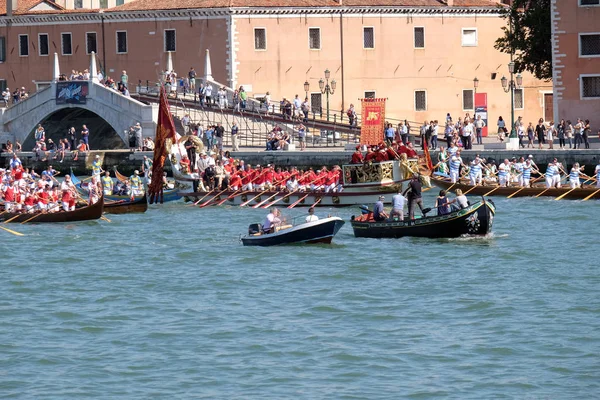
(192,78)
(71,137)
(234,137)
(124,78)
(219,133)
(85,135)
(139,138)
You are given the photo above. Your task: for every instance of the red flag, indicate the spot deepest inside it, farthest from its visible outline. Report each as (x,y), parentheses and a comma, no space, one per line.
(165,129)
(428,156)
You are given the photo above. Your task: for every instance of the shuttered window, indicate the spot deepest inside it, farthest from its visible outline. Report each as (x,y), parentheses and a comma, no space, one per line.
(590,86)
(260,39)
(43,44)
(468,101)
(420,100)
(368,38)
(419,37)
(589,45)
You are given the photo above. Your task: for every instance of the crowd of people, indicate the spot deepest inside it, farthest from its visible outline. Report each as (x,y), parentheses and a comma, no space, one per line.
(16,96)
(24,191)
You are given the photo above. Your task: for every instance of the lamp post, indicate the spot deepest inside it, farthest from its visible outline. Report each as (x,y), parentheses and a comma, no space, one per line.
(306,88)
(475,84)
(510,87)
(326,89)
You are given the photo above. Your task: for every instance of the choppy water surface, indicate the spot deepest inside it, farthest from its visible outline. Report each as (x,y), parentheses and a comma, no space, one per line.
(170,305)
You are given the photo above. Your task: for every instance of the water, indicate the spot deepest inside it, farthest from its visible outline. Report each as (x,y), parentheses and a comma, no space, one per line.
(170,305)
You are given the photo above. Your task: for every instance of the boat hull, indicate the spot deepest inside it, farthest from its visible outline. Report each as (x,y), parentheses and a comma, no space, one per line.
(515,191)
(476,219)
(139,205)
(342,199)
(321,231)
(87,213)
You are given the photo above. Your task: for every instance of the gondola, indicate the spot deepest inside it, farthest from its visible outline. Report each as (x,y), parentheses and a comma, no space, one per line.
(85,213)
(477,219)
(589,192)
(126,206)
(321,231)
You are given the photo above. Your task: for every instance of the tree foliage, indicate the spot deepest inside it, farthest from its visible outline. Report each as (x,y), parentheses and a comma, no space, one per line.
(528,34)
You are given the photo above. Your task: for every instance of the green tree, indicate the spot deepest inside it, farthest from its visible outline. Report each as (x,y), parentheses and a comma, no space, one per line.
(528,35)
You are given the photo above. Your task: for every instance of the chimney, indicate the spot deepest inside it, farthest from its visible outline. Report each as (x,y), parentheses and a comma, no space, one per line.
(11,5)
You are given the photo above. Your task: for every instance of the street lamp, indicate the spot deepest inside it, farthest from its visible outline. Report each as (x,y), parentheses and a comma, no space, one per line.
(306,88)
(326,89)
(510,86)
(475,84)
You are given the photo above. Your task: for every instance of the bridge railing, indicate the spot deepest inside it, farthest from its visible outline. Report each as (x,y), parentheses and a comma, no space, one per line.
(42,96)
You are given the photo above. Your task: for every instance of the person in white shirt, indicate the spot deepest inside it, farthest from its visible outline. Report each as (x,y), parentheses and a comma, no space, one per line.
(272,221)
(292,184)
(311,217)
(467,135)
(398,202)
(479,125)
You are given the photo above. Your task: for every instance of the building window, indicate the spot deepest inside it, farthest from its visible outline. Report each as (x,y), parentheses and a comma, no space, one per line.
(170,40)
(469,37)
(420,100)
(369,94)
(78,4)
(519,99)
(590,86)
(43,44)
(67,48)
(468,99)
(589,2)
(120,2)
(103,3)
(314,38)
(121,42)
(90,43)
(2,49)
(368,38)
(260,38)
(2,85)
(24,45)
(315,103)
(589,45)
(419,37)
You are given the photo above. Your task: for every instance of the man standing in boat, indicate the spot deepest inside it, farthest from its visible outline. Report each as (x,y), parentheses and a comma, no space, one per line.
(107,184)
(414,196)
(398,202)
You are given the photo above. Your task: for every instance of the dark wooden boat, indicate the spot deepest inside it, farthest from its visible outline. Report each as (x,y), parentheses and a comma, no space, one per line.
(126,206)
(516,191)
(477,219)
(321,231)
(86,213)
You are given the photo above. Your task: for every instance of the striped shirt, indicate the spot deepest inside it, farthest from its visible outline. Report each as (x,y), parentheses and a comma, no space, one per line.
(597,171)
(455,163)
(574,175)
(526,170)
(551,170)
(475,168)
(503,170)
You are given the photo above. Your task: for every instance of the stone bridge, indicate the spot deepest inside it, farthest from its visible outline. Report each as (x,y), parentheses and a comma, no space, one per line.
(117,111)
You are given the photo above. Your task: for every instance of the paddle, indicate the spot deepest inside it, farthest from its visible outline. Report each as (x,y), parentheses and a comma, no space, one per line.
(267,199)
(492,191)
(206,195)
(35,216)
(294,204)
(591,195)
(316,202)
(542,192)
(212,198)
(11,219)
(11,231)
(564,194)
(233,195)
(470,189)
(279,199)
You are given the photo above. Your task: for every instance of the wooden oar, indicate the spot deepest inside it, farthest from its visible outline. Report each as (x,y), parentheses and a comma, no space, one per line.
(34,217)
(11,219)
(591,195)
(542,192)
(232,196)
(11,231)
(564,194)
(265,200)
(474,186)
(513,193)
(294,204)
(206,195)
(105,219)
(492,191)
(206,203)
(317,202)
(279,199)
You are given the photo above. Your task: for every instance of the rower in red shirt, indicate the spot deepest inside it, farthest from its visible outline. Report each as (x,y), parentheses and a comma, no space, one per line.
(235,181)
(29,202)
(410,151)
(357,156)
(381,155)
(371,154)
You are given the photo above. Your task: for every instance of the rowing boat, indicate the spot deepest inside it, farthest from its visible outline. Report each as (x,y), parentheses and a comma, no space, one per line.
(516,191)
(125,206)
(85,213)
(477,219)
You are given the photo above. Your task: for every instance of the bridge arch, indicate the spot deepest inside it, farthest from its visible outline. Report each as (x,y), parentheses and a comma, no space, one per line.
(115,110)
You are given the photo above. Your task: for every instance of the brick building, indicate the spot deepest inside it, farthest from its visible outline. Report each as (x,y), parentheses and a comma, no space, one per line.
(576,60)
(423,55)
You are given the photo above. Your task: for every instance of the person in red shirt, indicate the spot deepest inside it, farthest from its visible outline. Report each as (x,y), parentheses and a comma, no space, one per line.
(9,196)
(357,156)
(269,175)
(259,178)
(381,155)
(410,151)
(43,196)
(29,202)
(235,181)
(371,154)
